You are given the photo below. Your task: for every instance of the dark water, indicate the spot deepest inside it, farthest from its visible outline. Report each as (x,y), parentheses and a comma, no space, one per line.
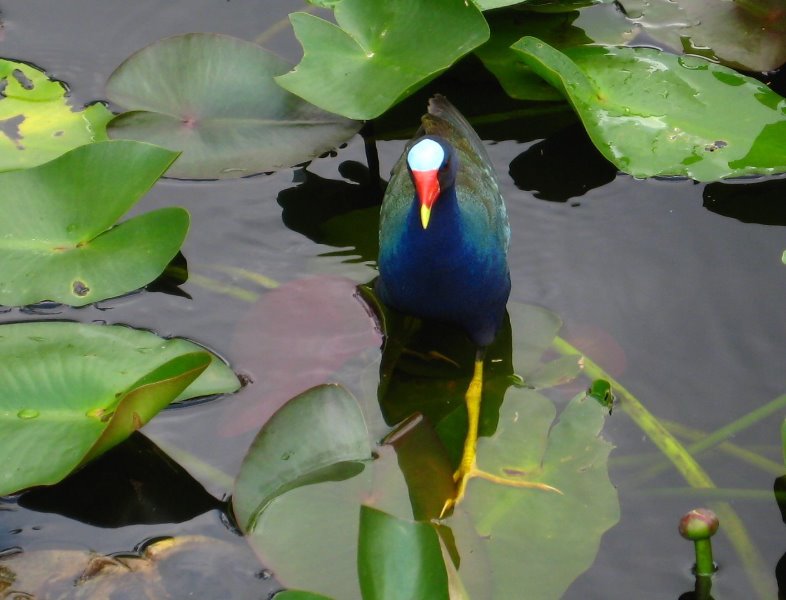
(675,287)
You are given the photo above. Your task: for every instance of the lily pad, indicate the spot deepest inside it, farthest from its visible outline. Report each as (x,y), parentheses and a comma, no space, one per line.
(544,538)
(745,34)
(36,122)
(57,240)
(72,391)
(654,114)
(319,435)
(379,52)
(601,25)
(399,559)
(214,98)
(316,443)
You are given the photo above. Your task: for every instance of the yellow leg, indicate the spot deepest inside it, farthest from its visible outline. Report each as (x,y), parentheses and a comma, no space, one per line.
(467,468)
(472,398)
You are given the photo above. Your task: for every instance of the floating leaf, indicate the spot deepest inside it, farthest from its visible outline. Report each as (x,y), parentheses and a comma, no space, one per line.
(652,113)
(316,443)
(213,97)
(319,435)
(36,122)
(73,391)
(746,34)
(544,538)
(380,51)
(56,236)
(597,26)
(398,559)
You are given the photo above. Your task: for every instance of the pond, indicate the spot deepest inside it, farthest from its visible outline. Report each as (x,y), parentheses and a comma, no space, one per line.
(672,287)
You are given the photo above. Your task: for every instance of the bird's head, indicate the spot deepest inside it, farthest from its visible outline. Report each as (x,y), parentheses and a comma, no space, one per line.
(432,165)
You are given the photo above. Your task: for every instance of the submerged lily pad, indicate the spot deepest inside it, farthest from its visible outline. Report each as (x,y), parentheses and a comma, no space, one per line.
(57,240)
(163,567)
(411,477)
(652,113)
(380,51)
(36,122)
(72,391)
(745,34)
(317,441)
(319,435)
(544,538)
(214,98)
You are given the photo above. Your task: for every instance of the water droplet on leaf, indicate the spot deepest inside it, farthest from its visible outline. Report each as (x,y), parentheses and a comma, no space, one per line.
(28,413)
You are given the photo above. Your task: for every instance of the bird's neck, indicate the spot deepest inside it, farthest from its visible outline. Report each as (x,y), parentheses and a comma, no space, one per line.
(445,222)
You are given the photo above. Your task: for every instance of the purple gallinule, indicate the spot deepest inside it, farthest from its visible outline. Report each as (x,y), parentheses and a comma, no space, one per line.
(443,238)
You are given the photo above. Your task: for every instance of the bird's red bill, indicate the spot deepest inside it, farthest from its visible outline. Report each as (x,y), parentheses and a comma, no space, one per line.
(427,188)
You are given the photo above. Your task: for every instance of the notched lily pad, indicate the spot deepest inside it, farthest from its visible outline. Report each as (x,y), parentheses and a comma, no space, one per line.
(655,114)
(58,238)
(214,98)
(36,122)
(72,391)
(379,52)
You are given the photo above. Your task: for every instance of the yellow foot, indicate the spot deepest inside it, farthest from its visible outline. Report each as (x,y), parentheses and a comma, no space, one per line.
(467,468)
(462,477)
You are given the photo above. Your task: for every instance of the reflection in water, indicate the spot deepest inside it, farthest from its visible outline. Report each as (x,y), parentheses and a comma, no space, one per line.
(543,166)
(134,483)
(315,201)
(748,201)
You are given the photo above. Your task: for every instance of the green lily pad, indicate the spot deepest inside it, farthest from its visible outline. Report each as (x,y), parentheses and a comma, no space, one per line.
(72,391)
(316,443)
(654,114)
(601,25)
(214,98)
(36,122)
(379,52)
(319,435)
(544,538)
(57,240)
(745,34)
(399,559)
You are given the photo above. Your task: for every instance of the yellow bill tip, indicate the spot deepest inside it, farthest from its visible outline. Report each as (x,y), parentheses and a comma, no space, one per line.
(425,215)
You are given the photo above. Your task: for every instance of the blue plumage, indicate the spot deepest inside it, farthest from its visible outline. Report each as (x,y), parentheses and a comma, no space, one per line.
(455,268)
